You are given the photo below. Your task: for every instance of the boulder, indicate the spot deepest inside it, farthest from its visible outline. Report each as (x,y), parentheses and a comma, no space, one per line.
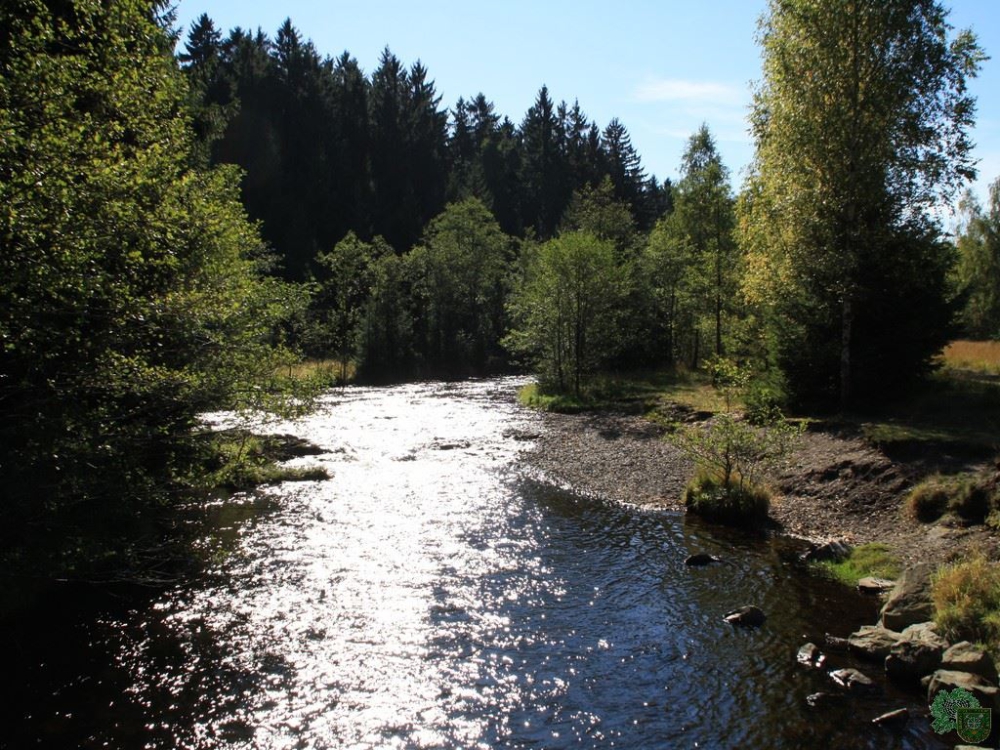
(829,552)
(810,656)
(897,718)
(854,682)
(945,679)
(746,617)
(872,642)
(910,601)
(925,632)
(701,558)
(964,657)
(912,659)
(875,586)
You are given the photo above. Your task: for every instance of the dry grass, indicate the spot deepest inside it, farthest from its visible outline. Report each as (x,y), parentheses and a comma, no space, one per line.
(967,601)
(331,370)
(977,356)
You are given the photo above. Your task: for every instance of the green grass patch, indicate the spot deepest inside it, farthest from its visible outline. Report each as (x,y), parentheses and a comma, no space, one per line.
(643,392)
(966,598)
(875,559)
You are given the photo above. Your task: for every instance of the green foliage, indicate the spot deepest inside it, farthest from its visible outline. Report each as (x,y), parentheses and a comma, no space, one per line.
(460,280)
(566,309)
(966,598)
(735,451)
(978,269)
(861,127)
(240,460)
(132,286)
(873,559)
(730,501)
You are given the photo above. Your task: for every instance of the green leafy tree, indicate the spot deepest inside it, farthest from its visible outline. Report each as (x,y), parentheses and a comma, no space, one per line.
(704,219)
(861,127)
(131,285)
(978,268)
(566,309)
(344,290)
(460,277)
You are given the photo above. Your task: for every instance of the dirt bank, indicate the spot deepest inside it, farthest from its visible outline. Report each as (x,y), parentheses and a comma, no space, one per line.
(835,485)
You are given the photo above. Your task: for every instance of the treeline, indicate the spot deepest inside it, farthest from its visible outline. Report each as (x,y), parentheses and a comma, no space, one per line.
(450,243)
(328,150)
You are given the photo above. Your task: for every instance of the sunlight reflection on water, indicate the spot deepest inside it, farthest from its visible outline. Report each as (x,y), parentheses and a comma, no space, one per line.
(431,595)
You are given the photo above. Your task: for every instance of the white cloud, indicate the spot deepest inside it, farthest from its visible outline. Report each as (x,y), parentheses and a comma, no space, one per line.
(676,90)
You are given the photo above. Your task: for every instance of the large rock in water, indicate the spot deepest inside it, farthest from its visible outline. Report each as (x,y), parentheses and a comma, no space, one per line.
(854,682)
(964,657)
(943,679)
(910,602)
(873,642)
(746,617)
(830,552)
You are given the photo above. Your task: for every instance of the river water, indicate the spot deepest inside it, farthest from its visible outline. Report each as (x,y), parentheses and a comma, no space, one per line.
(436,593)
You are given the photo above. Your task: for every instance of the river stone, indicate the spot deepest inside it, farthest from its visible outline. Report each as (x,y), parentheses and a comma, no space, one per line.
(701,558)
(747,617)
(818,700)
(896,718)
(810,655)
(872,642)
(945,679)
(829,552)
(910,602)
(964,657)
(854,682)
(912,659)
(875,586)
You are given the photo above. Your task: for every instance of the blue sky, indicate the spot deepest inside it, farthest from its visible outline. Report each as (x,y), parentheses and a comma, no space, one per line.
(661,66)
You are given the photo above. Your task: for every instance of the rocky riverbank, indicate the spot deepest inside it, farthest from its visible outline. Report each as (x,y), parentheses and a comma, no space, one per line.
(834,486)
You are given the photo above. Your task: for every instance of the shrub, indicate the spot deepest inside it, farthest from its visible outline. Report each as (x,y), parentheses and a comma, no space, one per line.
(731,502)
(966,598)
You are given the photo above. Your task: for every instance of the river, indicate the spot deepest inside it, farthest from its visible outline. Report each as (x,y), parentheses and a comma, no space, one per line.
(438,593)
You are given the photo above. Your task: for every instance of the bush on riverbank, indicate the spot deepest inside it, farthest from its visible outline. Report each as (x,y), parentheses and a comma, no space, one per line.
(731,501)
(238,461)
(966,598)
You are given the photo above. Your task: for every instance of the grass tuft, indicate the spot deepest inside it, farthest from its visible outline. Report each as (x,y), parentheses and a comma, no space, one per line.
(731,504)
(875,559)
(966,598)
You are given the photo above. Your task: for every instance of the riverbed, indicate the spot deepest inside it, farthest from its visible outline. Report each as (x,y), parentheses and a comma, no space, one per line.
(439,591)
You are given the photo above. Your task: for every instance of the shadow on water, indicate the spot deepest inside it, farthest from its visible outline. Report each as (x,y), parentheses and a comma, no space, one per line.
(434,595)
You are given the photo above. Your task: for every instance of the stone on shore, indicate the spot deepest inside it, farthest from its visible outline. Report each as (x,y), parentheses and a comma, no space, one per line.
(873,642)
(910,601)
(912,659)
(875,586)
(965,657)
(944,679)
(746,617)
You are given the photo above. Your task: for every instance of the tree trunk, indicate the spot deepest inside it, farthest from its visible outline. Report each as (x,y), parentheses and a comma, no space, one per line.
(845,354)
